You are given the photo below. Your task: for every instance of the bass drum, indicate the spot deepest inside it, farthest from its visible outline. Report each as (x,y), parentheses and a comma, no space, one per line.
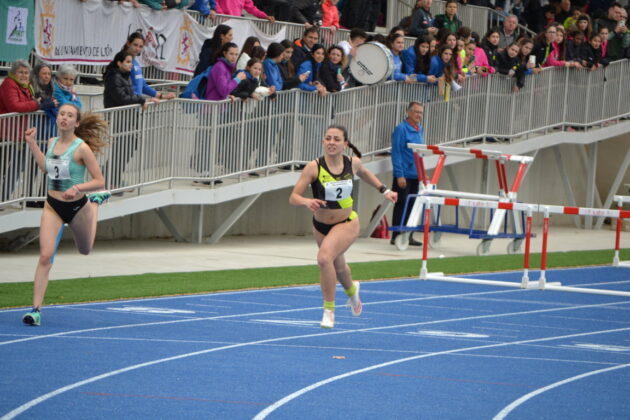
(373,63)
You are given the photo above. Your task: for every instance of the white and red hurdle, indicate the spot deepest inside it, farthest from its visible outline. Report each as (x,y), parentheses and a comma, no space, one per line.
(507,193)
(620,200)
(530,209)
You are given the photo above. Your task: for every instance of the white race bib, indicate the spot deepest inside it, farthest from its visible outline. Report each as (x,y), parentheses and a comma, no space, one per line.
(338,190)
(58,168)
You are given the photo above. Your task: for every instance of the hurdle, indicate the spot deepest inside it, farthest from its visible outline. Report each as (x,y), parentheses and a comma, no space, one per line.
(507,193)
(620,200)
(530,209)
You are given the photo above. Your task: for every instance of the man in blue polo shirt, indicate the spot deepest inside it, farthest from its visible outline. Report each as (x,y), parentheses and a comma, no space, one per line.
(403,165)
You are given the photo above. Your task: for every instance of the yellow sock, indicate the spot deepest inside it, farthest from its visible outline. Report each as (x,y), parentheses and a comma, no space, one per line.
(352,290)
(329,305)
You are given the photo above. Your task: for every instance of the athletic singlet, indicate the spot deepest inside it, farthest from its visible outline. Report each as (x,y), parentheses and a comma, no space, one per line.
(336,190)
(63,171)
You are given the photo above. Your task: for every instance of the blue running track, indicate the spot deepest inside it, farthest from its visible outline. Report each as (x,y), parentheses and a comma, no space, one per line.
(421,350)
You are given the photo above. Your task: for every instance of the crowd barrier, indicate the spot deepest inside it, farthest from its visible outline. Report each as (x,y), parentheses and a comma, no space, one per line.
(203,140)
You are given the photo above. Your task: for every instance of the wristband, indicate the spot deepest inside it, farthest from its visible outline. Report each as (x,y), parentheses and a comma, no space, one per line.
(382,189)
(387,191)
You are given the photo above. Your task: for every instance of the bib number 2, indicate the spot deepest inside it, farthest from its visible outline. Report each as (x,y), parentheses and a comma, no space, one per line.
(339,190)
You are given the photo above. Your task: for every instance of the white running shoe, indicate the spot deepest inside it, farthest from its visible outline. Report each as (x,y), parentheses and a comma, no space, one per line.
(355,301)
(328,320)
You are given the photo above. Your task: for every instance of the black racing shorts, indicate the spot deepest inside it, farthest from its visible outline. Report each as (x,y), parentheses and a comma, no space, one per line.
(324,228)
(66,209)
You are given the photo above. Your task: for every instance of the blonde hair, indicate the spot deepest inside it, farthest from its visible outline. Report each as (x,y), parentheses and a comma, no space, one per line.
(92,129)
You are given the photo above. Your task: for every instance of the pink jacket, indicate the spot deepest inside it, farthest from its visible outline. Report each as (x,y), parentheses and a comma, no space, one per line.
(481,60)
(236,7)
(330,14)
(552,58)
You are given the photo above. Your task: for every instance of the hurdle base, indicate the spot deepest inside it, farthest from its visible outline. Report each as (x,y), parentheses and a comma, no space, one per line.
(588,291)
(516,285)
(622,264)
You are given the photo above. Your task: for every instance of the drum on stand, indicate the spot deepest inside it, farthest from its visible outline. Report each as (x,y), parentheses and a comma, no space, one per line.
(373,63)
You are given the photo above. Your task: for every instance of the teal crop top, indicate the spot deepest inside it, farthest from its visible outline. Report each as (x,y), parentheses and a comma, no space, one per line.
(63,171)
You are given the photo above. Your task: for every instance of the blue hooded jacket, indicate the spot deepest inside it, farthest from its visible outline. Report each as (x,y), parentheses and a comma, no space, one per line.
(403,163)
(138,83)
(274,77)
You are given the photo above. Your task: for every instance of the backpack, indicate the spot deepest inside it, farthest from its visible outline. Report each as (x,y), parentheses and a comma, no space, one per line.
(197,85)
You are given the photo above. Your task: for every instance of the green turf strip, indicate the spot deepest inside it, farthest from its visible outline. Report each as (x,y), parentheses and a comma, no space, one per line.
(162,284)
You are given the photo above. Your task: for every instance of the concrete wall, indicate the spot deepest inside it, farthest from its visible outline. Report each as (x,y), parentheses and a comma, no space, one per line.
(272,215)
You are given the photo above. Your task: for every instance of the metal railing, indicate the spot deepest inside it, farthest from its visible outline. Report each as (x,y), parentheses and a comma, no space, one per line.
(205,141)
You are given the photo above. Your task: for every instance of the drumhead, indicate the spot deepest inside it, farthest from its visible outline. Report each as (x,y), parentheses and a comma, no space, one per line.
(373,63)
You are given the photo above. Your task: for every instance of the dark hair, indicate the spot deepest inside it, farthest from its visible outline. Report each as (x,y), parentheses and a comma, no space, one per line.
(252,61)
(275,50)
(248,46)
(345,137)
(309,30)
(380,38)
(449,2)
(423,62)
(449,68)
(215,41)
(358,33)
(132,37)
(414,103)
(394,30)
(93,129)
(317,47)
(391,38)
(463,32)
(258,52)
(290,66)
(118,58)
(224,48)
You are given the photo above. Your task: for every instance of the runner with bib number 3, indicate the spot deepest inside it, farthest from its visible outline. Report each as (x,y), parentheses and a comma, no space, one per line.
(335,224)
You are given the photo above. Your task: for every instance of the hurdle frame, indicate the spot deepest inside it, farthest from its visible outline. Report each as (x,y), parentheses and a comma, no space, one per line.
(525,283)
(620,200)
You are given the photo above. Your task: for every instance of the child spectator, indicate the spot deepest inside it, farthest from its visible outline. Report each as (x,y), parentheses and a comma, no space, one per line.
(443,65)
(417,59)
(246,52)
(396,44)
(252,86)
(603,35)
(574,46)
(583,24)
(220,80)
(490,45)
(482,65)
(63,86)
(271,66)
(118,89)
(526,46)
(592,54)
(449,19)
(330,14)
(236,7)
(287,67)
(222,34)
(330,72)
(311,66)
(509,63)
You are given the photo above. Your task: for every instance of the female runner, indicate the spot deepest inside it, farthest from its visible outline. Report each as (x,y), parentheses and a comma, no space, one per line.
(335,224)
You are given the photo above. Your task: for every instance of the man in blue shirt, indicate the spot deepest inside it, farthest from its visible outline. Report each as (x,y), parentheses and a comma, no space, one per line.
(403,164)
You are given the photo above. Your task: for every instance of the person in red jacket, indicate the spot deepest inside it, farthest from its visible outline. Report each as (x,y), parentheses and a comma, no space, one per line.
(330,14)
(16,95)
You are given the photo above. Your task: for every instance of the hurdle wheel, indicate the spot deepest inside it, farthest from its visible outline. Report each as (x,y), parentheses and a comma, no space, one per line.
(402,241)
(484,247)
(514,247)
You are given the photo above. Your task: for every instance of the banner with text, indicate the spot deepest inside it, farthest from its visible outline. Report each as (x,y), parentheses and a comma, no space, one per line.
(16,29)
(92,32)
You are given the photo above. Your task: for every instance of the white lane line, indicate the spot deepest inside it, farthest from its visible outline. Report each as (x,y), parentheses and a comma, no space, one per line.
(38,337)
(510,407)
(58,391)
(273,407)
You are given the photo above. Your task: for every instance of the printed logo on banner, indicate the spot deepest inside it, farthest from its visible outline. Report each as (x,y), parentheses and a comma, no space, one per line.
(153,52)
(185,42)
(16,26)
(47,34)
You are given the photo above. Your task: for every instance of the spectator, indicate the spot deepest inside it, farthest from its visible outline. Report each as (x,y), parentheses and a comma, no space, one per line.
(449,19)
(302,47)
(508,33)
(611,19)
(417,59)
(526,46)
(396,44)
(490,45)
(16,95)
(118,89)
(448,39)
(509,64)
(271,66)
(330,14)
(405,180)
(41,81)
(165,4)
(63,86)
(571,21)
(422,21)
(279,9)
(468,65)
(357,37)
(619,38)
(206,8)
(290,79)
(482,64)
(603,34)
(236,7)
(220,80)
(360,14)
(330,73)
(443,65)
(592,54)
(259,53)
(574,46)
(246,52)
(557,56)
(311,66)
(564,11)
(134,45)
(252,86)
(305,12)
(222,34)
(396,30)
(583,24)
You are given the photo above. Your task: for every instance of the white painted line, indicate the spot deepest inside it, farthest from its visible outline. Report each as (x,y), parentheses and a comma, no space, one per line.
(273,407)
(501,415)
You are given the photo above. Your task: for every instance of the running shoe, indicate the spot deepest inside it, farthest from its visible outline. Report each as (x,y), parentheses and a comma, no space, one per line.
(328,320)
(99,197)
(355,301)
(32,318)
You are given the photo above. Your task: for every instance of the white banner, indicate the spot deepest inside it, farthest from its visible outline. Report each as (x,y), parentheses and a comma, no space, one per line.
(92,32)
